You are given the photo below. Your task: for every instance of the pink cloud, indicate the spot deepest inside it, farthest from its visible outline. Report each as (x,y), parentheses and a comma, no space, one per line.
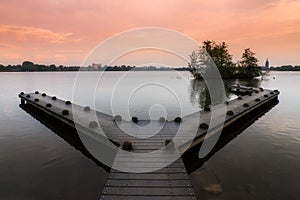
(72,29)
(24,33)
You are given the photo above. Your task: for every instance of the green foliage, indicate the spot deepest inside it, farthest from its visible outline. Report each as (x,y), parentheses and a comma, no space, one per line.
(286,68)
(201,60)
(219,53)
(249,59)
(248,66)
(212,53)
(28,66)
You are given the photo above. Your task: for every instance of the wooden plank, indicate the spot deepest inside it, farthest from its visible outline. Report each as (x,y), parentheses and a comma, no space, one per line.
(134,197)
(148,183)
(149,191)
(149,176)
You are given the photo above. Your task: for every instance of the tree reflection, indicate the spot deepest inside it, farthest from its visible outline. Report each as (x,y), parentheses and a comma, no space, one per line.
(199,94)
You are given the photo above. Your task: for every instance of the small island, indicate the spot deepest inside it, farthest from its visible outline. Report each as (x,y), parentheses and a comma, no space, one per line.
(213,54)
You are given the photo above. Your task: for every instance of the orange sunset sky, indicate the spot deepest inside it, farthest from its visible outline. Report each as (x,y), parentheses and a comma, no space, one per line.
(65,31)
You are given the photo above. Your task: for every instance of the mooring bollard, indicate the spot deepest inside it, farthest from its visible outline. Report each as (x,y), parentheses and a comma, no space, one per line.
(162,120)
(93,124)
(127,145)
(53,98)
(240,98)
(117,118)
(87,108)
(230,113)
(36,100)
(65,112)
(135,119)
(44,94)
(257,99)
(177,119)
(204,126)
(68,103)
(246,105)
(261,89)
(36,92)
(28,96)
(22,93)
(266,95)
(48,105)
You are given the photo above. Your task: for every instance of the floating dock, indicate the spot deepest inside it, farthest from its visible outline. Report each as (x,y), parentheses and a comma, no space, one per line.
(170,182)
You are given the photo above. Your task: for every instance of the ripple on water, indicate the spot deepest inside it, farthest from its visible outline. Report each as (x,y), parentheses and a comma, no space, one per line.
(292,157)
(278,146)
(51,161)
(297,139)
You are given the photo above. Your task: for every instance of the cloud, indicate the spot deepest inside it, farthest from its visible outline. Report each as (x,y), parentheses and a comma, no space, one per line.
(74,28)
(28,32)
(254,4)
(12,55)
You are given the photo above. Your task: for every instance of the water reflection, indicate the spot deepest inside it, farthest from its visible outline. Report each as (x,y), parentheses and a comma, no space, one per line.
(199,94)
(69,134)
(252,159)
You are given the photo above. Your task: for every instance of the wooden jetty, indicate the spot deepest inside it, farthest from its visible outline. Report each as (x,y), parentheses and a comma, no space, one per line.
(170,182)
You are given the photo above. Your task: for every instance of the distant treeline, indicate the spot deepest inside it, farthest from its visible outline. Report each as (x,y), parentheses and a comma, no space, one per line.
(28,66)
(286,68)
(31,67)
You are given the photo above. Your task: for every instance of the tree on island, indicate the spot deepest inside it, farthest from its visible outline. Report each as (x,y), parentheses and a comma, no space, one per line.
(221,56)
(202,59)
(249,59)
(248,66)
(219,53)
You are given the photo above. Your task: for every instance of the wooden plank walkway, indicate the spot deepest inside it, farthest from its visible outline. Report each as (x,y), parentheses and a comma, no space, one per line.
(169,182)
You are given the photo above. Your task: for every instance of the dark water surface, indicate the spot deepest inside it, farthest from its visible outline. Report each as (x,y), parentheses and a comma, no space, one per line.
(263,162)
(35,163)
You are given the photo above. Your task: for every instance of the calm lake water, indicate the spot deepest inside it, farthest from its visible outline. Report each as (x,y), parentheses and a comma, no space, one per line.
(35,163)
